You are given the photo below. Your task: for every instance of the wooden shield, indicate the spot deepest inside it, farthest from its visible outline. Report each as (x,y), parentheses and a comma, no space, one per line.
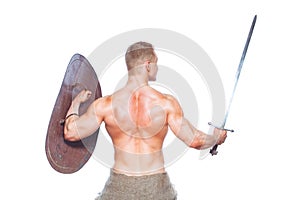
(64,156)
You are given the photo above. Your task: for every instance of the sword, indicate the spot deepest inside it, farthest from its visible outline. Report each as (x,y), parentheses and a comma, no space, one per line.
(214,151)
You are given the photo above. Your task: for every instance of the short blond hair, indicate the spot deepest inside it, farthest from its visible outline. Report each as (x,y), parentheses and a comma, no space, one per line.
(138,53)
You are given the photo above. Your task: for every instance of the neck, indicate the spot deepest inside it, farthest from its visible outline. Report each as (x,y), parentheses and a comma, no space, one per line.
(137,77)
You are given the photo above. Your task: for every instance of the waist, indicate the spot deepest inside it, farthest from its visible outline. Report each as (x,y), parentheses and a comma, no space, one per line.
(138,164)
(117,171)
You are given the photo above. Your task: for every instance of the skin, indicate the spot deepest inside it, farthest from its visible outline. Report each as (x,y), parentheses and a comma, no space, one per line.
(137,118)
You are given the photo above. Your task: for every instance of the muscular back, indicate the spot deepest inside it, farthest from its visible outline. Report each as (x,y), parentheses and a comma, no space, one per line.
(137,125)
(137,118)
(137,121)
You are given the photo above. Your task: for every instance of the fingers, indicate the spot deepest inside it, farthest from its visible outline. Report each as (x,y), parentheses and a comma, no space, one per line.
(222,135)
(83,96)
(88,93)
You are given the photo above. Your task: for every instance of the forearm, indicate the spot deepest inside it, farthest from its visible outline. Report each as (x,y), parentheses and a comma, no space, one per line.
(202,140)
(193,137)
(74,108)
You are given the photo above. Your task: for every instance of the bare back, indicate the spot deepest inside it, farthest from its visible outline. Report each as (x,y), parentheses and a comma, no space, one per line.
(137,125)
(137,118)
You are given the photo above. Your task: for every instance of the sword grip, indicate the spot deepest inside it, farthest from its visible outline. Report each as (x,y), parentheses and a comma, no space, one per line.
(214,151)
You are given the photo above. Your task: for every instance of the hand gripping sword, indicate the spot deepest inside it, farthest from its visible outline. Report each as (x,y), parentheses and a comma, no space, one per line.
(214,151)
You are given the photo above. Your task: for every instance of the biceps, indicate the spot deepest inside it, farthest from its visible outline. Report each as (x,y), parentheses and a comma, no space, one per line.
(87,124)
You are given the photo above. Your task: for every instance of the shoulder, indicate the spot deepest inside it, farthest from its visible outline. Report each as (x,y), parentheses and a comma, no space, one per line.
(170,99)
(103,103)
(104,100)
(172,104)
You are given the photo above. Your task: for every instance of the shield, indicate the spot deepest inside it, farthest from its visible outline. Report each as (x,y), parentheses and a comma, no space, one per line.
(64,156)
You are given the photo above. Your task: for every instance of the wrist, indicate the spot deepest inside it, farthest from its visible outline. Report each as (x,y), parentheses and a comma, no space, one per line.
(75,106)
(217,135)
(63,121)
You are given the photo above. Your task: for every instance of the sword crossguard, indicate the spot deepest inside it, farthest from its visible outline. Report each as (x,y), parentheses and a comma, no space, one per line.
(230,130)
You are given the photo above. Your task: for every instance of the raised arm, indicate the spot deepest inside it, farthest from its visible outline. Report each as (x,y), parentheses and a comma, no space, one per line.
(186,132)
(79,127)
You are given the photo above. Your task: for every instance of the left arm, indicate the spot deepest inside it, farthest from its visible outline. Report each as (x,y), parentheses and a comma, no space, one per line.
(79,127)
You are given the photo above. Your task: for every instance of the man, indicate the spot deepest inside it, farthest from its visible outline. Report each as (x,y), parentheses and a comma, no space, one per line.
(137,118)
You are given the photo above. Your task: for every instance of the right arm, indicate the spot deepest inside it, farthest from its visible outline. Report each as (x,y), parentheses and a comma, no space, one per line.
(186,132)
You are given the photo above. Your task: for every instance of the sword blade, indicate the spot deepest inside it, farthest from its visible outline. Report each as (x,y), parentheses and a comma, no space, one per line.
(238,72)
(214,151)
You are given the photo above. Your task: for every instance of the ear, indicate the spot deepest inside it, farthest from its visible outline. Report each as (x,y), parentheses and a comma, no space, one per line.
(147,65)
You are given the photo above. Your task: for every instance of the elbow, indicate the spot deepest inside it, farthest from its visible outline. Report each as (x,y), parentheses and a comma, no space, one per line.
(196,144)
(70,135)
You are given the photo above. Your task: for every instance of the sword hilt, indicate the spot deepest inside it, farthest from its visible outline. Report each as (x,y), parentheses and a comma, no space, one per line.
(214,151)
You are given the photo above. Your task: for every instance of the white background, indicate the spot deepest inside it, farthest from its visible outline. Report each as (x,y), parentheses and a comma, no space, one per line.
(259,161)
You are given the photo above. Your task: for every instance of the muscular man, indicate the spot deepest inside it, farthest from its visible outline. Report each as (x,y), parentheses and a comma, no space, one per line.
(137,118)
